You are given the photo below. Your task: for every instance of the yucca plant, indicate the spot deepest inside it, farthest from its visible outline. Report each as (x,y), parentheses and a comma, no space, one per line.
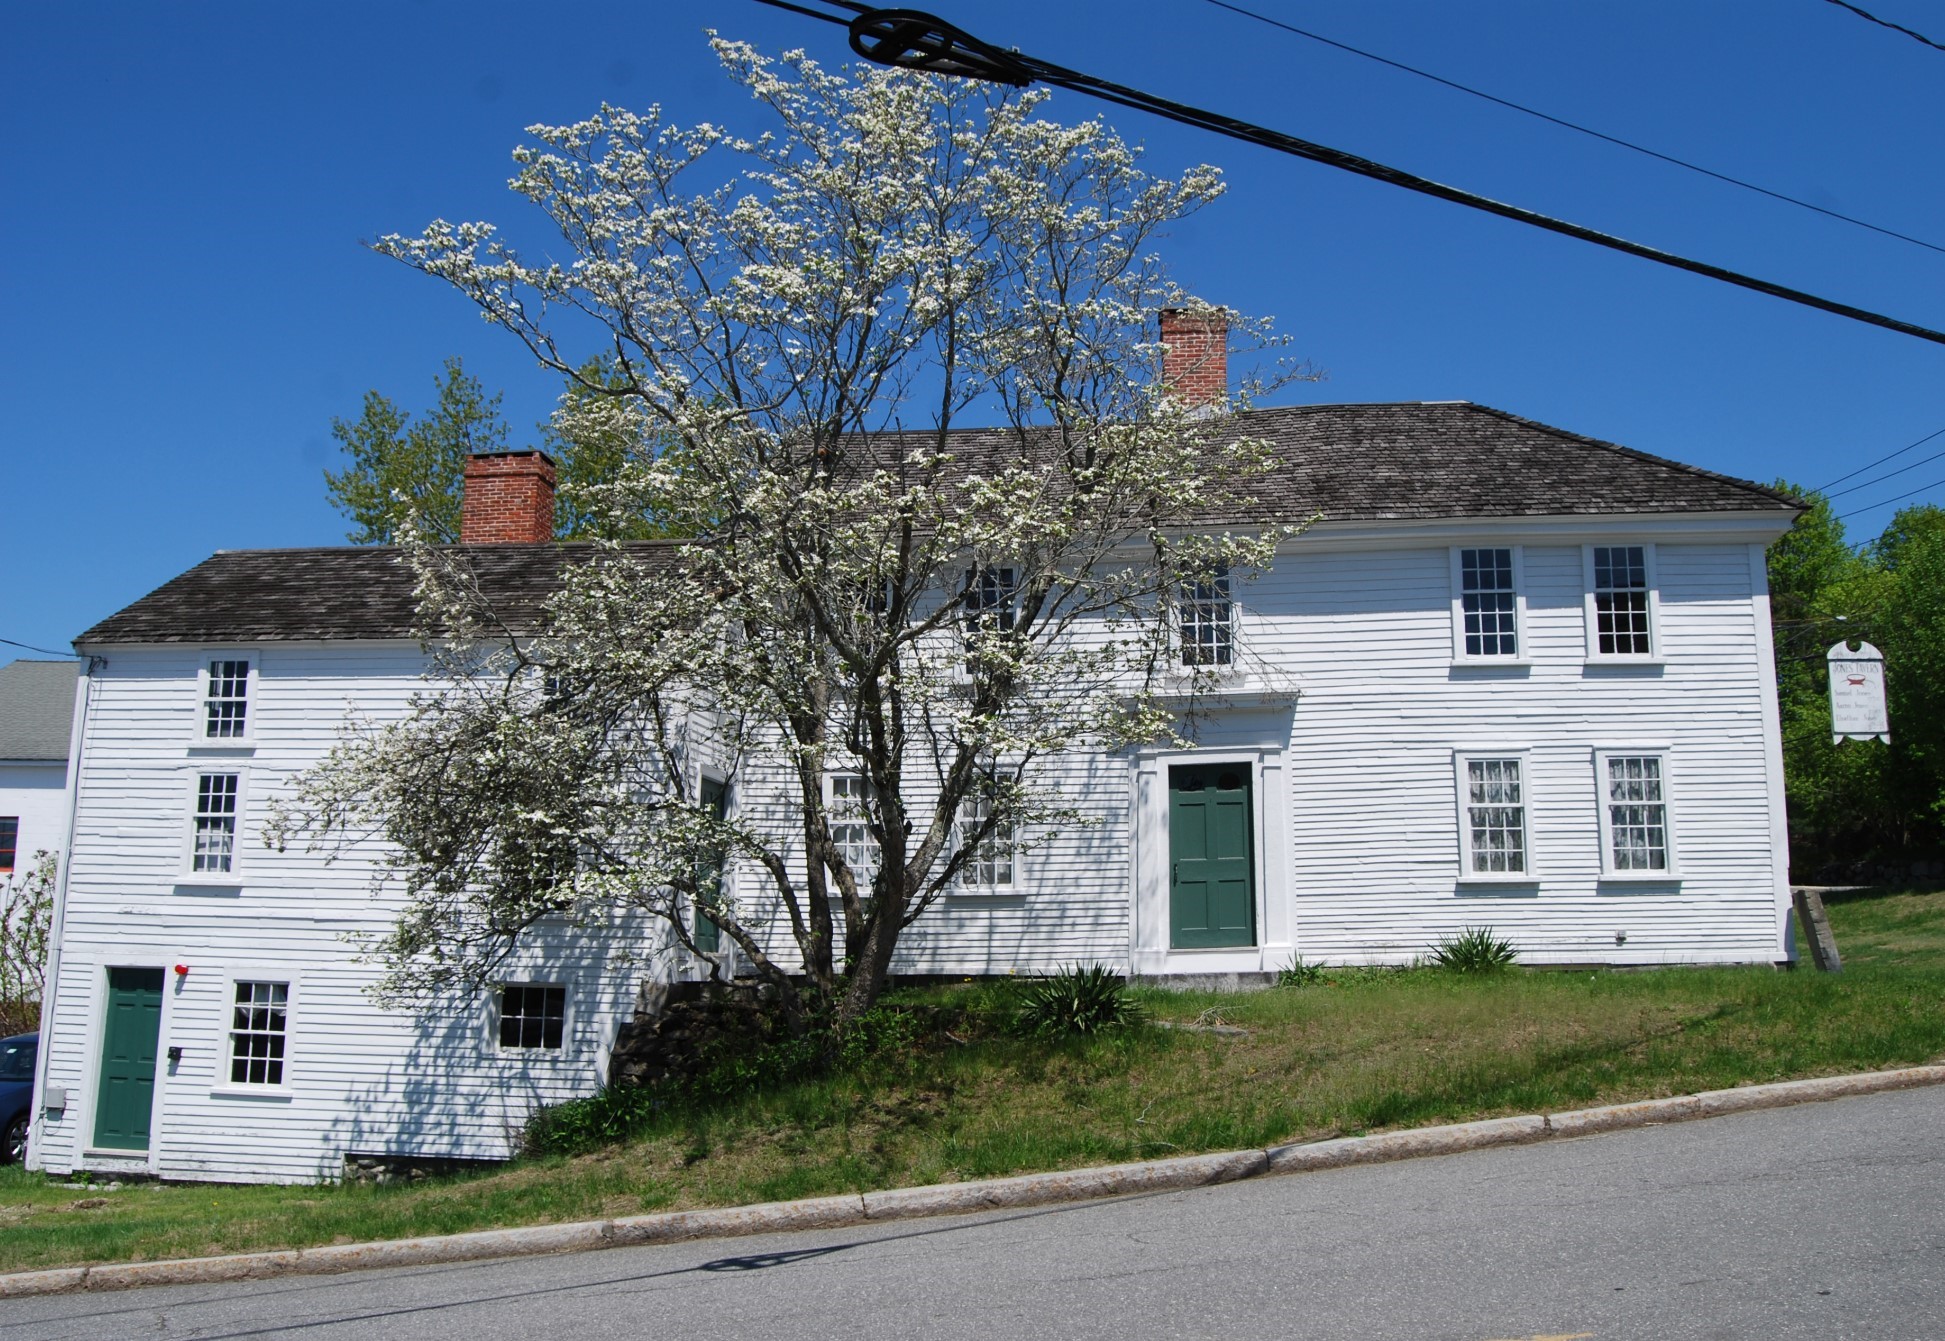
(1084,999)
(1474,950)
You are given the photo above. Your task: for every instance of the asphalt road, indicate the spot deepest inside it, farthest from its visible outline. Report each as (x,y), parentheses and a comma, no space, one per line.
(1825,1221)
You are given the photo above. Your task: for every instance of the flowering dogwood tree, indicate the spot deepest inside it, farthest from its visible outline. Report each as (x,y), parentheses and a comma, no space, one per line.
(864,588)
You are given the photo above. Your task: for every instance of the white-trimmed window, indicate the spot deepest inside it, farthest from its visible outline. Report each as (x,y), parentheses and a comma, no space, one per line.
(533,1015)
(212,839)
(989,603)
(1621,600)
(1636,838)
(1488,603)
(1206,619)
(989,859)
(850,827)
(1494,828)
(226,700)
(259,1032)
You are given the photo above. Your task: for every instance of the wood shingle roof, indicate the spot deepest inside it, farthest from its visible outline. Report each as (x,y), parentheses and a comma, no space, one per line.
(1379,462)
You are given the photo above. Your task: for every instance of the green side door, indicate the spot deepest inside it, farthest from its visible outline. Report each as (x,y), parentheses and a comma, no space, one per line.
(1212,885)
(127,1096)
(709,880)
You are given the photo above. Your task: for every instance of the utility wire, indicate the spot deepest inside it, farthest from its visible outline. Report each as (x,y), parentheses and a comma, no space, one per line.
(1892,456)
(908,39)
(1886,23)
(1569,125)
(1899,498)
(1866,484)
(31,648)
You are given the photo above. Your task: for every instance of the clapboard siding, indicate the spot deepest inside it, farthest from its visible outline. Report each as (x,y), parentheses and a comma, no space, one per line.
(1346,682)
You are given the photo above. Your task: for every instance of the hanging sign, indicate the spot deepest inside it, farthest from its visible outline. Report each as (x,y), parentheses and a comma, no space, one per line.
(1857,694)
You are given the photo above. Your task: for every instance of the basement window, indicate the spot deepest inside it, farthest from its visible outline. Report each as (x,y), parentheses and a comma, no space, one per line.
(532,1015)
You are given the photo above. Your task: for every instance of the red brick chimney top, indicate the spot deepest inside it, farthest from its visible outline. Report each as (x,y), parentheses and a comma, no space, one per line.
(1195,366)
(508,499)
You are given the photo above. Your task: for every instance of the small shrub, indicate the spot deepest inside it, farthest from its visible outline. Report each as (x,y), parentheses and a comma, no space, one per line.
(1474,950)
(1299,974)
(1084,999)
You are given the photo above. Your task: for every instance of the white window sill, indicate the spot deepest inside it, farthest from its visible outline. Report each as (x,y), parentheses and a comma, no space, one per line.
(985,892)
(229,745)
(209,880)
(279,1094)
(1653,659)
(1499,878)
(1492,663)
(1668,877)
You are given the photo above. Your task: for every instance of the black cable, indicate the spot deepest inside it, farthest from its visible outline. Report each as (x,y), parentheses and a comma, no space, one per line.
(1886,23)
(1897,498)
(1892,456)
(1569,125)
(1921,461)
(909,39)
(31,648)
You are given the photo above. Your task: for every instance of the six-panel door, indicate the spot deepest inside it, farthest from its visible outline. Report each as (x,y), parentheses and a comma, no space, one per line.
(1212,887)
(128,1035)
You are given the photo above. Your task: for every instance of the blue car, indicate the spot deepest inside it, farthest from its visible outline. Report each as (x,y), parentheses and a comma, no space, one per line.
(16,1094)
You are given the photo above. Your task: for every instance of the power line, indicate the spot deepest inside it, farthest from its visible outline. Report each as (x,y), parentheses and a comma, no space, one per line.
(1886,23)
(1569,125)
(908,39)
(1872,507)
(1822,489)
(31,648)
(1921,461)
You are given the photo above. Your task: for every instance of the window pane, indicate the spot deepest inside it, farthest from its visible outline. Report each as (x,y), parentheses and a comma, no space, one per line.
(9,841)
(1637,813)
(532,1016)
(850,831)
(215,836)
(258,1032)
(1496,815)
(1207,617)
(989,860)
(1487,601)
(1621,600)
(229,683)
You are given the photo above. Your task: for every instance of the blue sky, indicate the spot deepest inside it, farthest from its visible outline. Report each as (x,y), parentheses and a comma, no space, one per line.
(189,305)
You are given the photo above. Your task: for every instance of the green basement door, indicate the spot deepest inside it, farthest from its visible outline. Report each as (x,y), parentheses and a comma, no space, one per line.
(1211,886)
(127,1095)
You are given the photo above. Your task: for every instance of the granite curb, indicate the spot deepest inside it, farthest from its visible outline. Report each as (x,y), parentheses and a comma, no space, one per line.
(1035,1189)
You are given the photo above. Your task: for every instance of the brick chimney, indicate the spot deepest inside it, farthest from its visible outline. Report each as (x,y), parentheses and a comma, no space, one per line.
(1195,366)
(508,499)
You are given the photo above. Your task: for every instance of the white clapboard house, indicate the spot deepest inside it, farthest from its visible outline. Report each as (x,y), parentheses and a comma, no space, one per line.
(1514,678)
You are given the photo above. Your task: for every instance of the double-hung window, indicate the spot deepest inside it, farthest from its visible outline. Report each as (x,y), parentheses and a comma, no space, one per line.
(1206,615)
(9,843)
(533,1015)
(1487,601)
(850,826)
(1493,816)
(1620,600)
(226,700)
(988,604)
(213,834)
(259,1031)
(989,856)
(1635,833)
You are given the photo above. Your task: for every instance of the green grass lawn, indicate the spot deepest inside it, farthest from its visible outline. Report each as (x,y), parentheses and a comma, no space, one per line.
(1361,1051)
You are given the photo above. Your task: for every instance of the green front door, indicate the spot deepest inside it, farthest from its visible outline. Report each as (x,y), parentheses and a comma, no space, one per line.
(127,1095)
(709,880)
(1211,886)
